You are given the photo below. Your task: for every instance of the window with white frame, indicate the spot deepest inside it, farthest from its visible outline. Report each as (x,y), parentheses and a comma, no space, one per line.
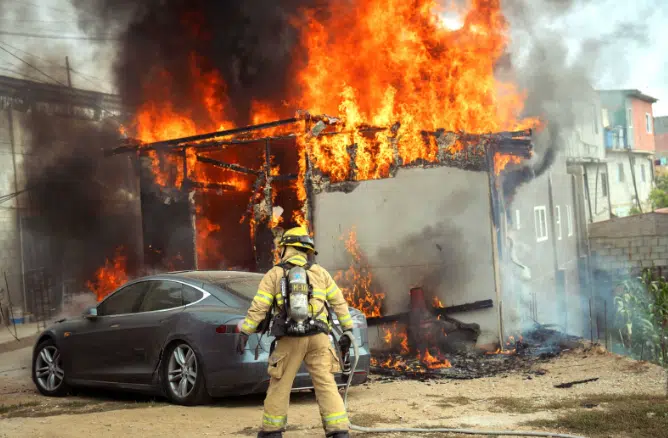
(517,219)
(620,172)
(557,220)
(540,223)
(643,177)
(604,185)
(629,118)
(569,220)
(648,123)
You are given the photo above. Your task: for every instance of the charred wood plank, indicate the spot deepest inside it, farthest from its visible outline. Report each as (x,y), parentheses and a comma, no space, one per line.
(477,305)
(288,177)
(178,142)
(210,186)
(228,166)
(468,307)
(575,382)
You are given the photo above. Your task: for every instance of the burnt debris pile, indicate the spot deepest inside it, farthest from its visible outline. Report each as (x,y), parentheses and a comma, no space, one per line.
(520,354)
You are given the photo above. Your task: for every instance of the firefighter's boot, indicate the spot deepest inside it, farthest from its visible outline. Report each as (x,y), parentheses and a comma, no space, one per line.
(340,434)
(272,434)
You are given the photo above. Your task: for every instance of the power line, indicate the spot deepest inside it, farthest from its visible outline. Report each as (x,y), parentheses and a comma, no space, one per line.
(59,37)
(16,72)
(55,64)
(30,65)
(50,77)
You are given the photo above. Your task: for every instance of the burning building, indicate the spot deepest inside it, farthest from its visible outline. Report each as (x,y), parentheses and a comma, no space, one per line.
(373,116)
(394,143)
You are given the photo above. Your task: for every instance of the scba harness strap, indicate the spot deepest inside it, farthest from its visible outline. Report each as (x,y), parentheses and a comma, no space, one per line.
(281,325)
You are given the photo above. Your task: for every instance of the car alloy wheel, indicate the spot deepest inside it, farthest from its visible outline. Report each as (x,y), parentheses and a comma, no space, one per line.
(49,373)
(182,371)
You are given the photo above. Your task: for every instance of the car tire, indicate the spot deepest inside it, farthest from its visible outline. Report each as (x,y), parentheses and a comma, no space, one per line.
(48,372)
(183,376)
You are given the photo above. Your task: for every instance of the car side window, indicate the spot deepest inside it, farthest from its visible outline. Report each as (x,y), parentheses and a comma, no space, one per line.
(125,300)
(190,294)
(163,294)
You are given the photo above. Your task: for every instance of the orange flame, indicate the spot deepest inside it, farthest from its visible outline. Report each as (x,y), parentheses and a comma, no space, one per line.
(394,333)
(372,63)
(356,283)
(110,276)
(436,302)
(432,363)
(510,346)
(378,62)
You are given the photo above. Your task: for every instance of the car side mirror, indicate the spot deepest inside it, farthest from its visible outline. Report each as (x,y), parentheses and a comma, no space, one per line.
(91,313)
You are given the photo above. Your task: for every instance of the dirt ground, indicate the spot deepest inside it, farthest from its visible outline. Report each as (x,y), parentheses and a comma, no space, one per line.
(502,402)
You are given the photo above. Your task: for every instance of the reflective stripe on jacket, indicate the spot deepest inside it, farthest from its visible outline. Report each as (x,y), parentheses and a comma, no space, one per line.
(324,289)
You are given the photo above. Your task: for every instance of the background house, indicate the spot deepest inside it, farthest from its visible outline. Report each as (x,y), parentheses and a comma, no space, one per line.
(587,161)
(661,142)
(630,145)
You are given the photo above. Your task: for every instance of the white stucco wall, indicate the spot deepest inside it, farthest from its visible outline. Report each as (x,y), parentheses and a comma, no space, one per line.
(425,227)
(622,192)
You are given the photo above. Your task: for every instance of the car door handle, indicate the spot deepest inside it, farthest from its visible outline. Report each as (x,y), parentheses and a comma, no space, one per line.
(114,326)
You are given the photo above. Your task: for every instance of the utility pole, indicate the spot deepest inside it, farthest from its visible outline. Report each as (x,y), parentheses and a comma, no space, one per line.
(67,65)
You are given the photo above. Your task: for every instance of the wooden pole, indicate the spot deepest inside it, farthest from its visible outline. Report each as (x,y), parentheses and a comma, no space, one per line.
(493,216)
(69,77)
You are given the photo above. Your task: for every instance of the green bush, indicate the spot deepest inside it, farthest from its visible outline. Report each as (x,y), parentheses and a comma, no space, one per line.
(642,316)
(659,195)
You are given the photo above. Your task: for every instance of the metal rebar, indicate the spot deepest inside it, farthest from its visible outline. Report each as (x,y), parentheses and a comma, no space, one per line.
(591,324)
(605,317)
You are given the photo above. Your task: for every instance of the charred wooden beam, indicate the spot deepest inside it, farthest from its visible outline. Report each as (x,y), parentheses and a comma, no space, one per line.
(209,186)
(228,166)
(179,142)
(257,185)
(288,177)
(468,307)
(217,144)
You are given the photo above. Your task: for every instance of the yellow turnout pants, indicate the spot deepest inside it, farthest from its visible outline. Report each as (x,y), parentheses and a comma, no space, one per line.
(321,361)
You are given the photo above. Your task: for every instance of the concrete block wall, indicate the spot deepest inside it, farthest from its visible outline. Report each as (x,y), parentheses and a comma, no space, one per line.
(629,254)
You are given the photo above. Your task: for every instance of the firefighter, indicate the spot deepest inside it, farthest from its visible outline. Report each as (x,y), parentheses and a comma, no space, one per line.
(299,339)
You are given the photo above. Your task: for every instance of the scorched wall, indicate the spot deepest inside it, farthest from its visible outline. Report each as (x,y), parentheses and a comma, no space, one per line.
(426,227)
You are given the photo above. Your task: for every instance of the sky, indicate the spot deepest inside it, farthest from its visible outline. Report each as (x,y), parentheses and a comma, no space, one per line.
(629,50)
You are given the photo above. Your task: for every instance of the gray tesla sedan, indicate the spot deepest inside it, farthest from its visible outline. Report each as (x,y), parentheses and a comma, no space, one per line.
(172,334)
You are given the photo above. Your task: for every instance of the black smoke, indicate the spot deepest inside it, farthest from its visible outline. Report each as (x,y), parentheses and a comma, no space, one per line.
(254,45)
(444,245)
(79,206)
(560,82)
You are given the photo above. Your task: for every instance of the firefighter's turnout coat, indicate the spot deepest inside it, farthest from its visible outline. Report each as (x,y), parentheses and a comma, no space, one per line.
(315,351)
(324,289)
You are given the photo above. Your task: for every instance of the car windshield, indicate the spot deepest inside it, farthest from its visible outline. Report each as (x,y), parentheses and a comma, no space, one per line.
(245,288)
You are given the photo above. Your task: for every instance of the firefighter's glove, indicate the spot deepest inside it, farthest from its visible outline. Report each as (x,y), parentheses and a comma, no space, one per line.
(344,341)
(242,340)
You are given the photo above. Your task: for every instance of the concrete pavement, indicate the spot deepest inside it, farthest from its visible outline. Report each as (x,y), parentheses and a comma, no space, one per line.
(26,334)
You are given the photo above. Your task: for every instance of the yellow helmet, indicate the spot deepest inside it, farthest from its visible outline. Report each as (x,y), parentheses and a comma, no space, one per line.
(297,237)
